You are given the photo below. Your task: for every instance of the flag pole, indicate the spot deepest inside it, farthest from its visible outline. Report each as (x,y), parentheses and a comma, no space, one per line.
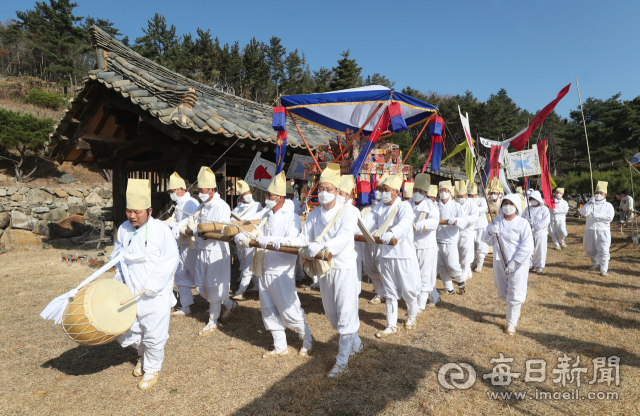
(587,138)
(419,135)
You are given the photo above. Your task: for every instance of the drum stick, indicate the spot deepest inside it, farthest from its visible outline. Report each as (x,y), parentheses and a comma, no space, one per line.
(132,297)
(446,222)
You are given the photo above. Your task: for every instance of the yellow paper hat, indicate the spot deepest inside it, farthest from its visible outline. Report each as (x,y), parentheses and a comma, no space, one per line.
(242,187)
(206,178)
(176,182)
(433,191)
(602,186)
(346,183)
(561,190)
(408,189)
(519,189)
(331,174)
(422,182)
(496,186)
(472,188)
(290,188)
(138,194)
(382,178)
(445,185)
(278,185)
(461,188)
(394,182)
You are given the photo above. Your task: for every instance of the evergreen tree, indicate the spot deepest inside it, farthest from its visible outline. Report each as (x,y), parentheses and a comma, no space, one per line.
(322,78)
(294,71)
(256,73)
(346,74)
(377,79)
(275,61)
(158,42)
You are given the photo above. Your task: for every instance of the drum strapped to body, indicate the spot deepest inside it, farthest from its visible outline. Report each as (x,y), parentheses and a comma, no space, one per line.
(94,316)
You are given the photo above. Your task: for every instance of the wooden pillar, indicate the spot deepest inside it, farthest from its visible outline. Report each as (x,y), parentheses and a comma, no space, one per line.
(119,189)
(183,164)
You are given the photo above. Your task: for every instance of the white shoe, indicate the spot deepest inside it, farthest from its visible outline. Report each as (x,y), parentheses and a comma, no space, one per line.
(410,325)
(604,273)
(479,268)
(563,244)
(510,330)
(558,247)
(179,313)
(388,331)
(376,299)
(338,371)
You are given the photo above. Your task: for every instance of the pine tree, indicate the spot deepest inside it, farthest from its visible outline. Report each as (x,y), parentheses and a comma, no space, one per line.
(256,73)
(346,74)
(294,70)
(377,79)
(275,61)
(158,42)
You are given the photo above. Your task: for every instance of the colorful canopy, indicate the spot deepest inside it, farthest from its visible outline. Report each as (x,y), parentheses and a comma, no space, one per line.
(349,109)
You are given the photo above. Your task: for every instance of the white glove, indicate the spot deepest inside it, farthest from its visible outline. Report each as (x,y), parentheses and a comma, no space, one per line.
(511,267)
(592,200)
(386,237)
(314,248)
(238,239)
(264,241)
(149,294)
(420,225)
(493,230)
(172,224)
(452,221)
(276,243)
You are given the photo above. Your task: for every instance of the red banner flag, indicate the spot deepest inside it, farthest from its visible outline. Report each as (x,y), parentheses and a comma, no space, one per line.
(544,174)
(494,165)
(520,141)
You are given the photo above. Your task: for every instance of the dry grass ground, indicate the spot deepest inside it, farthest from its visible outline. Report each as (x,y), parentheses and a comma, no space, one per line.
(568,311)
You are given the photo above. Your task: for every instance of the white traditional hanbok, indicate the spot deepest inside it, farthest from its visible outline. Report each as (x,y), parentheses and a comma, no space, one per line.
(426,218)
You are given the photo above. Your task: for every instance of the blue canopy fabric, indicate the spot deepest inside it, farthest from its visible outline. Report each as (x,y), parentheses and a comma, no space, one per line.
(349,109)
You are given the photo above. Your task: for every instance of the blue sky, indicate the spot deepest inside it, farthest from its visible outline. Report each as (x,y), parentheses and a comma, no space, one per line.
(531,48)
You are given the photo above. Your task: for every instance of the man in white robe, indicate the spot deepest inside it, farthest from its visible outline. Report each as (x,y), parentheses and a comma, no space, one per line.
(626,207)
(185,276)
(452,220)
(347,183)
(559,220)
(393,218)
(150,261)
(495,196)
(291,195)
(339,286)
(213,268)
(372,251)
(597,233)
(537,213)
(510,273)
(426,218)
(469,210)
(279,302)
(481,248)
(247,210)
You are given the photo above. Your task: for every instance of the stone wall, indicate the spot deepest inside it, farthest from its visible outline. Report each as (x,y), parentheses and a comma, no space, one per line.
(63,216)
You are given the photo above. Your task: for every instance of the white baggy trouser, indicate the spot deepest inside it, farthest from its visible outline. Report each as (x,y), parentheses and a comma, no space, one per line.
(449,265)
(558,231)
(339,292)
(596,245)
(185,276)
(371,256)
(150,331)
(399,277)
(539,258)
(213,275)
(245,255)
(482,248)
(512,289)
(428,262)
(466,253)
(281,309)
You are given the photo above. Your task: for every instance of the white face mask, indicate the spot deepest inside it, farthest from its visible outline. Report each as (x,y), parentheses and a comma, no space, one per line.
(473,198)
(173,197)
(509,210)
(386,197)
(418,197)
(204,197)
(461,200)
(558,196)
(270,204)
(534,203)
(599,197)
(444,196)
(247,199)
(326,197)
(494,197)
(341,199)
(378,195)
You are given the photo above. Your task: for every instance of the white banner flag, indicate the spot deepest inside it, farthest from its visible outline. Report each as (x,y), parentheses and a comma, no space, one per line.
(467,130)
(260,173)
(519,164)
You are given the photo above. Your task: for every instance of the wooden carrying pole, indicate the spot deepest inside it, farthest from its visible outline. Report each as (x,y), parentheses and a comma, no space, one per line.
(362,239)
(426,123)
(282,249)
(593,194)
(216,227)
(354,136)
